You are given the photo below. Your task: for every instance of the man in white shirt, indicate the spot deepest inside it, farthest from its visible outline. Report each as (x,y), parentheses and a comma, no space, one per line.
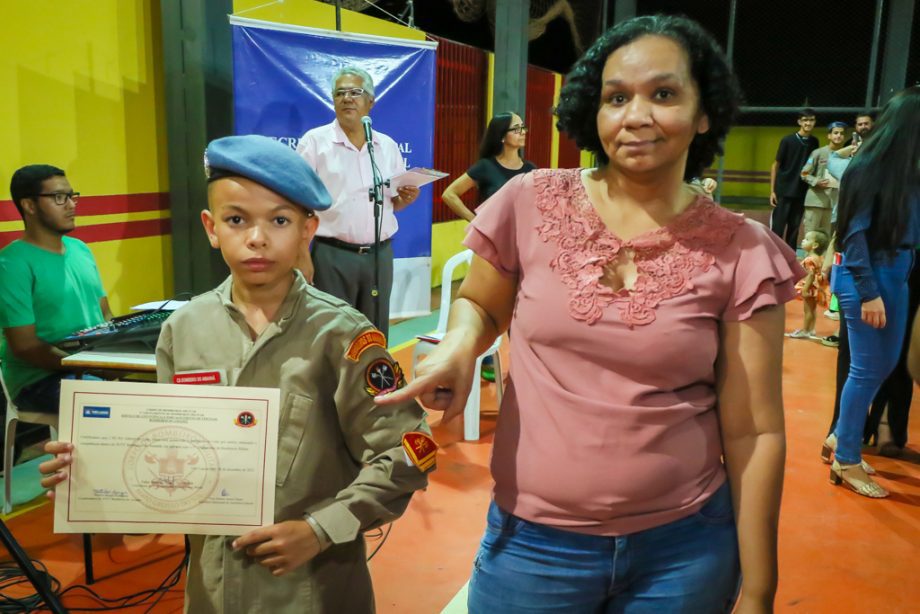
(341,259)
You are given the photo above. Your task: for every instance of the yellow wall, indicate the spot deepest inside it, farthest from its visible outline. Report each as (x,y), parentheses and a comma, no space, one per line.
(83,90)
(753,148)
(446,240)
(320,15)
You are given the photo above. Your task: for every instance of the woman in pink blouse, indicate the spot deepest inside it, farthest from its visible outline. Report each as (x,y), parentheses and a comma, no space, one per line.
(648,325)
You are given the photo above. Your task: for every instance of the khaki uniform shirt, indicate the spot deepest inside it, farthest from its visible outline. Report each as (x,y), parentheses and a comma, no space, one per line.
(340,457)
(815,170)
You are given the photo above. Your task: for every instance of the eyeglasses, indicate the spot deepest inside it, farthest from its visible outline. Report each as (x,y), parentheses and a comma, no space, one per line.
(351,92)
(522,129)
(61,198)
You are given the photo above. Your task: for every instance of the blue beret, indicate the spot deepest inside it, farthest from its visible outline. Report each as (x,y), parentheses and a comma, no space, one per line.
(269,163)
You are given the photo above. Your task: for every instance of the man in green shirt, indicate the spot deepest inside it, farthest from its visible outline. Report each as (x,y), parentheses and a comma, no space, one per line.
(50,288)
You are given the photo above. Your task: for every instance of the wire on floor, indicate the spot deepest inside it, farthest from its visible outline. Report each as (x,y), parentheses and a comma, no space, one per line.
(11,575)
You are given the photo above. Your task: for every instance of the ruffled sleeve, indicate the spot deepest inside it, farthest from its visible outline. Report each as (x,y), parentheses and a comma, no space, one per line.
(493,234)
(811,265)
(765,272)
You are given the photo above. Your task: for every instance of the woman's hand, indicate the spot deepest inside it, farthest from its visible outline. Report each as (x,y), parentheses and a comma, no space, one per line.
(56,470)
(873,313)
(442,381)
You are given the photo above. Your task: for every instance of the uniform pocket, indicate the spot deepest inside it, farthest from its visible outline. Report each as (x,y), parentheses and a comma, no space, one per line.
(293,422)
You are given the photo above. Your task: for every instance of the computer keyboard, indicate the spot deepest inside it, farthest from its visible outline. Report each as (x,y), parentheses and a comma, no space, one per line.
(138,331)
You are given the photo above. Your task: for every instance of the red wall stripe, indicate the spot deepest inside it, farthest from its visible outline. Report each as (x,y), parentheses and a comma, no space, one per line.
(107,232)
(102,205)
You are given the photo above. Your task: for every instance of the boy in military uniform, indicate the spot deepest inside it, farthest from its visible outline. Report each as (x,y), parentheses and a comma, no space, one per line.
(345,465)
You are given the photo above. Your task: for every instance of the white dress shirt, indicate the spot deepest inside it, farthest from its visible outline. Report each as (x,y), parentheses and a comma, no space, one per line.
(346,172)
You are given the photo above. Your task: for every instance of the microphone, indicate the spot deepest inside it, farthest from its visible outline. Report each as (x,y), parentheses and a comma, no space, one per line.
(366,121)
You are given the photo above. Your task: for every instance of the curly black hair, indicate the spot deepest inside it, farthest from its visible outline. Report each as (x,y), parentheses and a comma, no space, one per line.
(720,94)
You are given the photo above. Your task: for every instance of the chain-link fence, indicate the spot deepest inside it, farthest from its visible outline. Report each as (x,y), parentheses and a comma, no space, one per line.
(824,54)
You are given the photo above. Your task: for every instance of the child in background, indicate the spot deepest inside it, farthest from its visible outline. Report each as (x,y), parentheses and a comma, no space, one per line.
(812,289)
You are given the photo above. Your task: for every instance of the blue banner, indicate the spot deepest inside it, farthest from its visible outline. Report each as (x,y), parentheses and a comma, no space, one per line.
(282,84)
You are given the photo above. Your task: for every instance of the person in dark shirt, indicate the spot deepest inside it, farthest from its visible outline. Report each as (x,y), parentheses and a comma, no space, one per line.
(500,159)
(787,190)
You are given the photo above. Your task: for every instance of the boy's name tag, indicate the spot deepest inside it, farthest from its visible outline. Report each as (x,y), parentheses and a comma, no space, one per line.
(211,377)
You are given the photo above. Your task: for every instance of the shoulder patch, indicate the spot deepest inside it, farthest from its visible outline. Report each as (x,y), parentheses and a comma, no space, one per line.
(421,449)
(369,339)
(383,375)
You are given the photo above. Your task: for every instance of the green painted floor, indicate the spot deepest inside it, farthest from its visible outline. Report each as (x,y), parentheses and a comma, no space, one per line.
(407,330)
(25,486)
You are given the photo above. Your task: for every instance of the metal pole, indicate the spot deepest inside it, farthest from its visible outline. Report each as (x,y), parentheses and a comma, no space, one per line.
(897,42)
(623,10)
(338,15)
(510,91)
(873,56)
(729,52)
(605,18)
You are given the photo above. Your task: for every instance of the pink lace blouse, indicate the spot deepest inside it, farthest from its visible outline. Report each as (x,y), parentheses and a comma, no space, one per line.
(609,424)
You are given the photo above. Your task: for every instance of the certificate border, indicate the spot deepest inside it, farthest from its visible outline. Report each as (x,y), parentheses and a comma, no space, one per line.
(261,513)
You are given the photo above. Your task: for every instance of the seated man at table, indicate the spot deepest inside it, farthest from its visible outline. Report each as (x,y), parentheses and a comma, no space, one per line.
(51,288)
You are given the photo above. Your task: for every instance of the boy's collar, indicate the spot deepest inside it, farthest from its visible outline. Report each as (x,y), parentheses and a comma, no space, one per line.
(288,305)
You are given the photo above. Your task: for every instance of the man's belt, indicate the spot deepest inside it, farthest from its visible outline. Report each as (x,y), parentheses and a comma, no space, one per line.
(351,247)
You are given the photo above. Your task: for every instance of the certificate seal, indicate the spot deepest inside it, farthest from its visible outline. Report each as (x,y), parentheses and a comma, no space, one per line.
(171,469)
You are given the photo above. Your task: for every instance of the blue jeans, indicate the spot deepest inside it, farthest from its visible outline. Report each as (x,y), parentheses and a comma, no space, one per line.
(873,351)
(689,565)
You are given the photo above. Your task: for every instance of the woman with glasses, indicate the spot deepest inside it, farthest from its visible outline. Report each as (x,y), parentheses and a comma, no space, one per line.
(499,160)
(638,457)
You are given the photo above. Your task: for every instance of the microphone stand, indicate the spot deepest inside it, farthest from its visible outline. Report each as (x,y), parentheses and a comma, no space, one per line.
(375,194)
(38,580)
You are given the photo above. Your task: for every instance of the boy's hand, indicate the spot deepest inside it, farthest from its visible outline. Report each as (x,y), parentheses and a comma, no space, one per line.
(442,382)
(55,470)
(281,547)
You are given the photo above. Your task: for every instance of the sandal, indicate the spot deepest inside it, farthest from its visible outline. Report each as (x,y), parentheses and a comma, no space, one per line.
(830,446)
(857,480)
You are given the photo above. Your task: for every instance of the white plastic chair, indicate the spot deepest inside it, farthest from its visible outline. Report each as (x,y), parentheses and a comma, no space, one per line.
(427,342)
(14,416)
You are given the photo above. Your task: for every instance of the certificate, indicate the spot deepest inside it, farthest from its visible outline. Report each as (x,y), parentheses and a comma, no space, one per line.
(166,458)
(416,176)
